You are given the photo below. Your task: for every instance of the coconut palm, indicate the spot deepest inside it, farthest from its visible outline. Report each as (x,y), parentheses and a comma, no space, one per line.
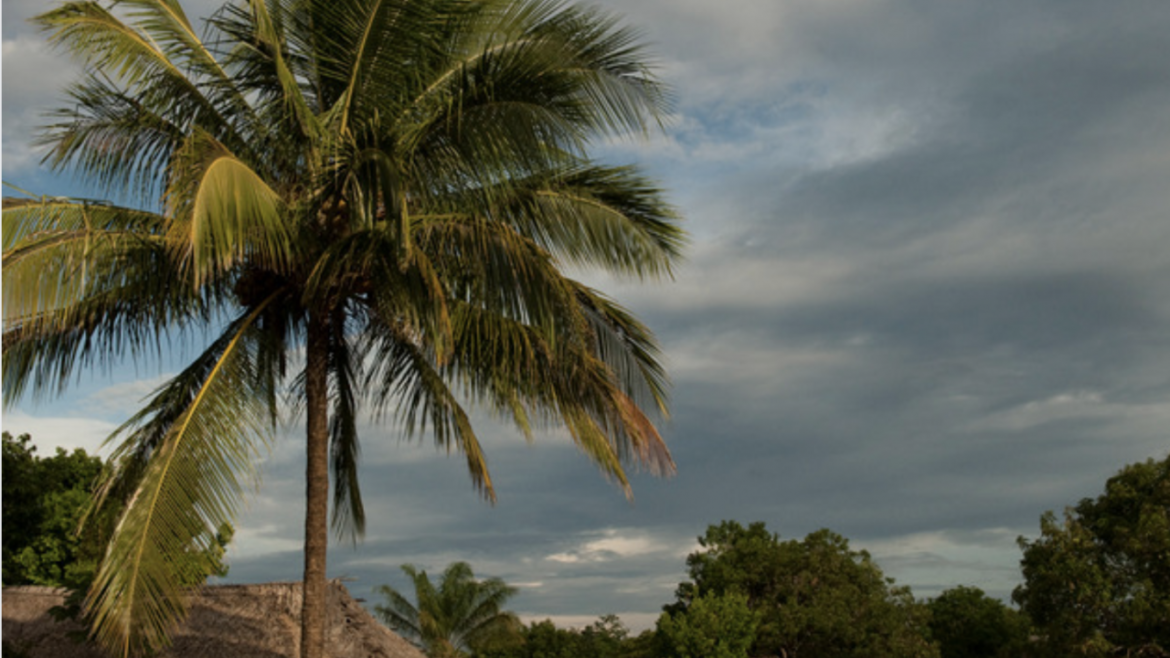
(453,619)
(366,205)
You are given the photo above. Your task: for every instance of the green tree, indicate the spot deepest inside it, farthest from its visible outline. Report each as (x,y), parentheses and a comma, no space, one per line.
(967,623)
(364,203)
(607,637)
(454,619)
(45,544)
(1098,583)
(712,626)
(44,500)
(815,597)
(544,640)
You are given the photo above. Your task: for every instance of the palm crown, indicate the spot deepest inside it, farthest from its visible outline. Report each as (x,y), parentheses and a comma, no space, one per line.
(394,187)
(454,619)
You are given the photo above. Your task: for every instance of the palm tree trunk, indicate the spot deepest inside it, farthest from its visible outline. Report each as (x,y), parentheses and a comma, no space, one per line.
(313,609)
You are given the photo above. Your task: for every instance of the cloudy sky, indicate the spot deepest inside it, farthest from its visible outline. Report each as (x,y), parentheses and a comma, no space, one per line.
(928,298)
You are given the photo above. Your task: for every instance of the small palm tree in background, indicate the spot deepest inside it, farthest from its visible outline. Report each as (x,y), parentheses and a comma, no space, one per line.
(357,203)
(453,619)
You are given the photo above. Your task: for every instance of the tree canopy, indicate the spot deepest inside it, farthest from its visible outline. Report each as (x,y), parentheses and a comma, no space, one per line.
(816,598)
(712,626)
(967,623)
(44,501)
(607,637)
(1097,583)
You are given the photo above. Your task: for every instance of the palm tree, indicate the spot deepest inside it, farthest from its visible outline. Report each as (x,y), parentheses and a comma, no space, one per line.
(362,205)
(450,621)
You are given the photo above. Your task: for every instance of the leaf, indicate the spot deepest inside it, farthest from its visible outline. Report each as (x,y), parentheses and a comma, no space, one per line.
(196,445)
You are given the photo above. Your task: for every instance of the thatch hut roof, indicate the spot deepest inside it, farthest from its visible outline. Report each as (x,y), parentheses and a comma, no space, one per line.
(226,621)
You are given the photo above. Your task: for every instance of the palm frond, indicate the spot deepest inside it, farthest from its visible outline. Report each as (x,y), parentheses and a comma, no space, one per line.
(513,366)
(226,213)
(367,263)
(399,613)
(613,75)
(157,55)
(119,142)
(202,434)
(268,35)
(403,373)
(349,516)
(83,283)
(628,349)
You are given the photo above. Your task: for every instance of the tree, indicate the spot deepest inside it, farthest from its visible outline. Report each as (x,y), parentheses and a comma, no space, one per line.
(607,637)
(967,623)
(454,619)
(45,544)
(712,626)
(815,597)
(1098,583)
(366,204)
(44,500)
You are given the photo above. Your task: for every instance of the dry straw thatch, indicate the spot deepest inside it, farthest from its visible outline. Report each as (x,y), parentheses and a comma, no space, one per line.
(226,621)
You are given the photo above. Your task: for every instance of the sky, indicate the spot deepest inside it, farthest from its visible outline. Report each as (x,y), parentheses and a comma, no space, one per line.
(927,299)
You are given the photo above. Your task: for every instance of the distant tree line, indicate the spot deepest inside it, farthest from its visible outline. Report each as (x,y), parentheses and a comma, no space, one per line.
(1096,585)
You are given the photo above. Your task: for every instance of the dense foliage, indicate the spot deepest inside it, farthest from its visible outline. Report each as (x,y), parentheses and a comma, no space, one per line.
(1098,582)
(605,638)
(44,500)
(45,542)
(711,626)
(816,598)
(967,623)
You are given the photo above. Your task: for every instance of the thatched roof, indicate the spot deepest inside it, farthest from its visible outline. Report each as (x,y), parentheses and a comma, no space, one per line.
(226,621)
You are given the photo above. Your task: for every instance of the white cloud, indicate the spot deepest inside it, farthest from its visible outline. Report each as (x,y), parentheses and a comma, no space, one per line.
(1070,405)
(49,433)
(613,544)
(253,540)
(940,560)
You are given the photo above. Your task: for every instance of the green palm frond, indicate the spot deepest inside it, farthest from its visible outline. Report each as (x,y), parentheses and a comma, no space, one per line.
(115,138)
(628,348)
(226,214)
(156,56)
(267,33)
(406,376)
(399,613)
(203,433)
(349,516)
(368,58)
(566,383)
(502,270)
(452,619)
(367,263)
(84,283)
